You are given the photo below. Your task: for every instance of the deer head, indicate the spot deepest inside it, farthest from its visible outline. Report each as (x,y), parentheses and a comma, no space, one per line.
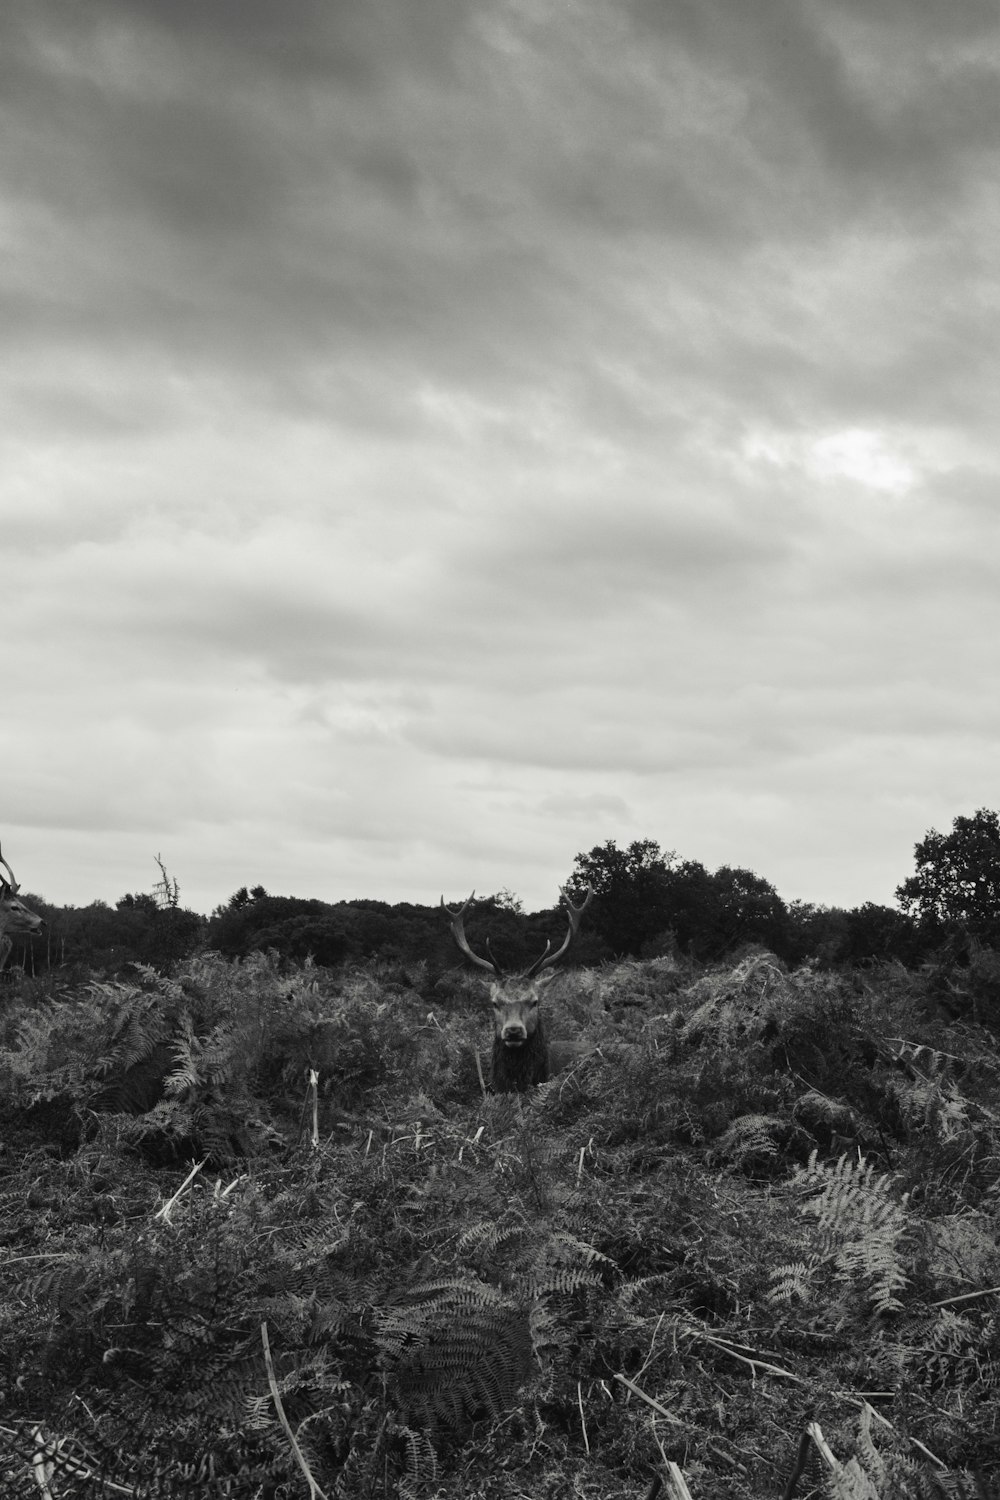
(14,915)
(516,998)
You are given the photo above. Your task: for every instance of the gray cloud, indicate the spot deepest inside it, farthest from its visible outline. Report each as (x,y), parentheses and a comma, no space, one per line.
(436,440)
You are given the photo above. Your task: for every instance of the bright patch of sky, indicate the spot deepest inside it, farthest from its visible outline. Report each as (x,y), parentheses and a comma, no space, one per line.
(855,454)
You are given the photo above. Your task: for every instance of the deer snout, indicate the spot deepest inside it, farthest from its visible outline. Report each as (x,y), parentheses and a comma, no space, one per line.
(514,1034)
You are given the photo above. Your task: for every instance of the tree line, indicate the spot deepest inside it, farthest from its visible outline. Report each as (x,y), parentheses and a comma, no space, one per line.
(646,903)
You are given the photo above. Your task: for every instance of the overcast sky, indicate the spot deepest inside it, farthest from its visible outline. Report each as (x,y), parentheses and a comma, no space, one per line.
(438,437)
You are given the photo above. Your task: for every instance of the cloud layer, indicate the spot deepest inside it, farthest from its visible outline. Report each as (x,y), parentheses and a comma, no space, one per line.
(437,439)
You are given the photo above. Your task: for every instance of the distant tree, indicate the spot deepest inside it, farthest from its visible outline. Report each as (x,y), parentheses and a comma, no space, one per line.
(881,933)
(957,883)
(249,922)
(631,889)
(110,939)
(370,929)
(646,899)
(240,900)
(814,932)
(146,931)
(690,908)
(748,909)
(710,914)
(147,927)
(866,933)
(142,901)
(505,900)
(320,938)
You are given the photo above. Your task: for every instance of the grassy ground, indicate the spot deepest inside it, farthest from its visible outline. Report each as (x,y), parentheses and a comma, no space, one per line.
(755,1231)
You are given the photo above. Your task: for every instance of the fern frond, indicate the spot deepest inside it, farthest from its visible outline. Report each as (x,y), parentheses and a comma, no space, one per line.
(860,1227)
(452,1348)
(489,1235)
(562,1280)
(421,1464)
(749,1140)
(793,1282)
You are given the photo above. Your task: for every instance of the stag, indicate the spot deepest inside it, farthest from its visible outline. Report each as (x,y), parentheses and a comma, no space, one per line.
(14,915)
(522,1054)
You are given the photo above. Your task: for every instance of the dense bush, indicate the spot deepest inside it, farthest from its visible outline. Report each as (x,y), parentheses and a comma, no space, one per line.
(767,1198)
(646,903)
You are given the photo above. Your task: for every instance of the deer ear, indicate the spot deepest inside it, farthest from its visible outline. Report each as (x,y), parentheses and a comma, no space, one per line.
(545,978)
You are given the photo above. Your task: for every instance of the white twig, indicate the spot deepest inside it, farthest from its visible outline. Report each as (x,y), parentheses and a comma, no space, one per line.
(314,1094)
(645,1364)
(826,1452)
(677,1481)
(965,1297)
(164,1212)
(932,1456)
(649,1400)
(48,1457)
(41,1466)
(314,1489)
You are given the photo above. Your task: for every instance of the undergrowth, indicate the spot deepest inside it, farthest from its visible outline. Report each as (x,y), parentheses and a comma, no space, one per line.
(261,1230)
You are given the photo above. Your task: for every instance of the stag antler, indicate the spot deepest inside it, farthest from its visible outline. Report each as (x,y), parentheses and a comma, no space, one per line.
(574,913)
(458,933)
(12,885)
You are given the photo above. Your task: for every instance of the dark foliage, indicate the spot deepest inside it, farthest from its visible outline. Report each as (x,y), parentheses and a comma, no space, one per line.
(957,882)
(631,887)
(765,1198)
(647,903)
(253,924)
(110,939)
(138,1088)
(328,933)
